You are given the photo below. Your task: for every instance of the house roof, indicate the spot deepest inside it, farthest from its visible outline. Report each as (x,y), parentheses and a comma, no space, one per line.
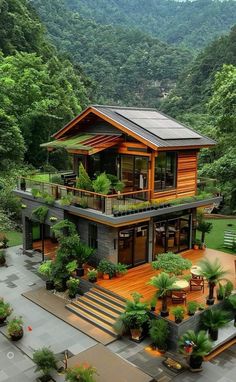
(156,129)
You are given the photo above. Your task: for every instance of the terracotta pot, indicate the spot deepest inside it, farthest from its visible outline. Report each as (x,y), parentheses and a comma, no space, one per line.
(136,333)
(196,246)
(106,276)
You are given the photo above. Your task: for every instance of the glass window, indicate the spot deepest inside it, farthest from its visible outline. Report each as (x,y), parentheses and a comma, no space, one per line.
(93,235)
(165,171)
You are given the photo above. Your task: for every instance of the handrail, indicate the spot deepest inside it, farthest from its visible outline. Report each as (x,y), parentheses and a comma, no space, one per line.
(88,192)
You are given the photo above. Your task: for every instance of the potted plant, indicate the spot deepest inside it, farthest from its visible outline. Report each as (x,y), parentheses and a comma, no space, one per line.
(178,312)
(195,345)
(121,269)
(2,258)
(232,302)
(72,266)
(196,244)
(15,328)
(102,184)
(5,310)
(204,227)
(45,361)
(82,254)
(92,275)
(73,286)
(225,290)
(164,284)
(119,186)
(213,272)
(45,269)
(213,320)
(106,268)
(153,303)
(192,307)
(135,318)
(159,331)
(83,373)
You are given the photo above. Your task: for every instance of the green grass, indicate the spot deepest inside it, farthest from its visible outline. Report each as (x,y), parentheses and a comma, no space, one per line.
(15,238)
(215,239)
(40,177)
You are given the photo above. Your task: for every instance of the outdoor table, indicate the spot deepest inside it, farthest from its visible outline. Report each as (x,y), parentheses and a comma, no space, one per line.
(180,284)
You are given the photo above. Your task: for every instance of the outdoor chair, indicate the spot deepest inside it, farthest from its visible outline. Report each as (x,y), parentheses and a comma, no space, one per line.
(196,284)
(179,297)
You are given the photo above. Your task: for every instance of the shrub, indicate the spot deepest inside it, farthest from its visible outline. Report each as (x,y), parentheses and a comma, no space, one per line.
(45,269)
(192,307)
(73,286)
(102,184)
(159,332)
(84,182)
(171,263)
(83,373)
(178,312)
(56,179)
(5,309)
(15,326)
(106,267)
(40,213)
(45,361)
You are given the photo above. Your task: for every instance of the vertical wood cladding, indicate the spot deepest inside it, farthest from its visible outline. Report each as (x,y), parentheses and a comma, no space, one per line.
(186,177)
(186,173)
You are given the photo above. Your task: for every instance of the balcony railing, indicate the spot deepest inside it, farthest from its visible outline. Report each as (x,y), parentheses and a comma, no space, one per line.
(81,198)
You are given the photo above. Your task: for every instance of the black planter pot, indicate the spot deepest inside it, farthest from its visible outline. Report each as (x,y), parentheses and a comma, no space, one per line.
(2,261)
(2,320)
(80,272)
(49,285)
(164,313)
(18,336)
(191,314)
(153,308)
(72,295)
(210,301)
(93,280)
(220,298)
(178,321)
(195,362)
(213,334)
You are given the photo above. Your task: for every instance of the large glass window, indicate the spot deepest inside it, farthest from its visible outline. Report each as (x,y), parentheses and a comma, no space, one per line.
(165,171)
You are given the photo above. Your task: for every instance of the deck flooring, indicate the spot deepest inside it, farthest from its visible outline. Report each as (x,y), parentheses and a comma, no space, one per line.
(136,279)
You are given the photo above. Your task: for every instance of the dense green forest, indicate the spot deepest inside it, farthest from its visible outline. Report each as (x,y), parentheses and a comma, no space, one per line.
(192,24)
(205,98)
(128,66)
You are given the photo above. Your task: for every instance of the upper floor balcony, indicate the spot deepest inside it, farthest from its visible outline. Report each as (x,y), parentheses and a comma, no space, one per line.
(116,205)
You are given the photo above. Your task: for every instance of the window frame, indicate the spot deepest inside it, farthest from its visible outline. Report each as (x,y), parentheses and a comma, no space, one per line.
(93,235)
(165,188)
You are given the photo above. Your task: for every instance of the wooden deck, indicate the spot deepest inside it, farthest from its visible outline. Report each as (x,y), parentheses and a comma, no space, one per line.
(137,278)
(49,248)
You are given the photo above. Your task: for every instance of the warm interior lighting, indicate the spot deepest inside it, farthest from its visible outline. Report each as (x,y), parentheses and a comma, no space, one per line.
(153,352)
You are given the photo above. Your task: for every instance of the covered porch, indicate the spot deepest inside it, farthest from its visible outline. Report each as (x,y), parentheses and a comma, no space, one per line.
(137,278)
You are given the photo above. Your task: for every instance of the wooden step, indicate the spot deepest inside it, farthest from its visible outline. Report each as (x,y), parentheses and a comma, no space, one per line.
(108,297)
(101,315)
(93,320)
(95,298)
(110,293)
(95,305)
(220,349)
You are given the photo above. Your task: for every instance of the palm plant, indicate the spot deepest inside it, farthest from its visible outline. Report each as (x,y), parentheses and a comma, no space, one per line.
(213,272)
(204,227)
(214,319)
(199,344)
(164,284)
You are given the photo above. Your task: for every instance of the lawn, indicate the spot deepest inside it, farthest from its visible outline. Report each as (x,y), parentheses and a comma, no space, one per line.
(215,239)
(15,238)
(40,177)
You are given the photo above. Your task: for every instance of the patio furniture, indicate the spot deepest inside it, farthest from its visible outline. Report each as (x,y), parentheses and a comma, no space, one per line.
(196,271)
(179,297)
(196,284)
(180,284)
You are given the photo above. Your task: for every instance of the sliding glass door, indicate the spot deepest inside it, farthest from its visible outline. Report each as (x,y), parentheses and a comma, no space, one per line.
(134,172)
(132,248)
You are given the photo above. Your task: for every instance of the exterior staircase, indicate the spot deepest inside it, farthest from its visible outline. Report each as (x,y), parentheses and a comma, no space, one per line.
(100,307)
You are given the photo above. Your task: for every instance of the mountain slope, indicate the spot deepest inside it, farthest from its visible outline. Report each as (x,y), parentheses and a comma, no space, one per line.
(193,24)
(128,66)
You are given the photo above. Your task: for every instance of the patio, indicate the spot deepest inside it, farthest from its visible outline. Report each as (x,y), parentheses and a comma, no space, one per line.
(137,278)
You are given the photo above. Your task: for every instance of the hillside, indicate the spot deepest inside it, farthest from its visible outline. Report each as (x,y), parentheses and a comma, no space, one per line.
(127,66)
(40,89)
(193,24)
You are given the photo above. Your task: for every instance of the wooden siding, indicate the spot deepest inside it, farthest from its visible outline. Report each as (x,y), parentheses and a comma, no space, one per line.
(186,182)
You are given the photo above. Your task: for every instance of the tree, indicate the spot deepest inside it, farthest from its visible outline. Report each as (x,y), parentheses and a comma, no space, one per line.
(213,272)
(11,142)
(204,227)
(84,182)
(164,284)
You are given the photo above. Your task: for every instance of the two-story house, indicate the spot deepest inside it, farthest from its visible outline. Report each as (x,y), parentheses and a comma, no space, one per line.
(154,156)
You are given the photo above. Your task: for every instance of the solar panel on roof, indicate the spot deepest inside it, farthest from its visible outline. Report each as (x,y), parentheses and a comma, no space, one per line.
(143,114)
(175,133)
(159,123)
